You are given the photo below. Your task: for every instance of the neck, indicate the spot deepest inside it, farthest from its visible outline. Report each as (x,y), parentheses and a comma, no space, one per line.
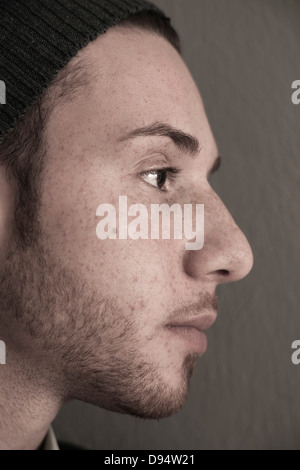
(28,404)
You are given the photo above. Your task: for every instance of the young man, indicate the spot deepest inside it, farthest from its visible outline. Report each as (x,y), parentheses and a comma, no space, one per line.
(90,117)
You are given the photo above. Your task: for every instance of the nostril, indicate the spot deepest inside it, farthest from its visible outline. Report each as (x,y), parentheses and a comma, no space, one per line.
(223,272)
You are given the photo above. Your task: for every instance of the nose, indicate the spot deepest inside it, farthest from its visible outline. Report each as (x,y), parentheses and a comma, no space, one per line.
(226,255)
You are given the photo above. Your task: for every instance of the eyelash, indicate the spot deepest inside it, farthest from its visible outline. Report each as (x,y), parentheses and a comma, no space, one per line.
(171,175)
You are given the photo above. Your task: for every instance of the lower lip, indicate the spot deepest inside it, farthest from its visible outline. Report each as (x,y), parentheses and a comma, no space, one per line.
(195,339)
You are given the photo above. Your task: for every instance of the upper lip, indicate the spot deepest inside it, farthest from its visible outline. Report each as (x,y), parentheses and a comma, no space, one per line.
(201,322)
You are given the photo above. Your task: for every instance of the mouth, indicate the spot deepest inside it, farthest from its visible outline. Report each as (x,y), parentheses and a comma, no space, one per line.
(191,331)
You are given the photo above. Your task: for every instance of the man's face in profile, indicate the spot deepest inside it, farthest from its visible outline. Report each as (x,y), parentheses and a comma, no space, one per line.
(115,322)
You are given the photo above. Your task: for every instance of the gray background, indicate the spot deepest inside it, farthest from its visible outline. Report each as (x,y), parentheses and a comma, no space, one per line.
(244,56)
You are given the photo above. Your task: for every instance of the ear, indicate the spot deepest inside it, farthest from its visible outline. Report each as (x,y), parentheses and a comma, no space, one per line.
(7,198)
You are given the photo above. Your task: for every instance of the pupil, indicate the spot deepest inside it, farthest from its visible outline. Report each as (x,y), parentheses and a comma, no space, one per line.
(161,178)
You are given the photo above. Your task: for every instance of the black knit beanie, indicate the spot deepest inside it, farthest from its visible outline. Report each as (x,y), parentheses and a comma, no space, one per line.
(39,37)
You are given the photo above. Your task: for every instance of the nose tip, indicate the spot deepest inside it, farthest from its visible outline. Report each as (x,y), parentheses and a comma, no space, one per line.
(236,256)
(226,255)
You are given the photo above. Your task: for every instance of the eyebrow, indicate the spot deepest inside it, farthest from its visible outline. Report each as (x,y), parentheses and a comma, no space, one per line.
(182,140)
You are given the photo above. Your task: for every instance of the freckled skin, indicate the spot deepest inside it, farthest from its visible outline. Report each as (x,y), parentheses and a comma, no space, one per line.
(100,307)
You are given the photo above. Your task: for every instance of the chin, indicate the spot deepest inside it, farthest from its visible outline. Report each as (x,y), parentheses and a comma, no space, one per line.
(152,406)
(155,397)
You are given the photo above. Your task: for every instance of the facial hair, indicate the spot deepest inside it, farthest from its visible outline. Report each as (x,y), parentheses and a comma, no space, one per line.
(79,340)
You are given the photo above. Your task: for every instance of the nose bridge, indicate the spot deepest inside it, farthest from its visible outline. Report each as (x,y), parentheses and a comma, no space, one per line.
(219,221)
(226,253)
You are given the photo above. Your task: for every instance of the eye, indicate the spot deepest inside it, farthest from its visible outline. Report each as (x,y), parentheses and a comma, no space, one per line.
(159,178)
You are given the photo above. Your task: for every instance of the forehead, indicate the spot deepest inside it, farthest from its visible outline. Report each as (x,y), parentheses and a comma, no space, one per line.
(136,78)
(139,70)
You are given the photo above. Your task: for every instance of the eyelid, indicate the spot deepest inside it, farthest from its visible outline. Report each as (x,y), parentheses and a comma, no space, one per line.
(155,162)
(172,170)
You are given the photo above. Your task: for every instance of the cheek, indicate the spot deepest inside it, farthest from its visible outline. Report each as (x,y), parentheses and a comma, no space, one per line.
(142,274)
